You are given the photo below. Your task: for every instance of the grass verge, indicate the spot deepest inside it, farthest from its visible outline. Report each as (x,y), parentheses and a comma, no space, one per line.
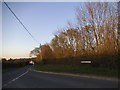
(78,70)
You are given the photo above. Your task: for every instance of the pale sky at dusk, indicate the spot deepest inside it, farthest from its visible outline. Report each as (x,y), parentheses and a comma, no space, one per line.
(41,19)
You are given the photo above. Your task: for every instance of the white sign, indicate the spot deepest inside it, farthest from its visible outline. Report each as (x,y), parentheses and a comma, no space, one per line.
(85,61)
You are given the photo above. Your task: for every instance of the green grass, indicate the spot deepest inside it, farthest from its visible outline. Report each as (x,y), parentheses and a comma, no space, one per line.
(77,70)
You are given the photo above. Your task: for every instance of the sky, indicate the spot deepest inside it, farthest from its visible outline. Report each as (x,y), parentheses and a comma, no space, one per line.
(42,20)
(0,30)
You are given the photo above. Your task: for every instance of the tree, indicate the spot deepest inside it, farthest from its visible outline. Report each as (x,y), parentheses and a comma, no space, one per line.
(46,52)
(103,19)
(35,52)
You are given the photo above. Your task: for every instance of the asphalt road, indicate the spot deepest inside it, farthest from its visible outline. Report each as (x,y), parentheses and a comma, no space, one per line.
(25,78)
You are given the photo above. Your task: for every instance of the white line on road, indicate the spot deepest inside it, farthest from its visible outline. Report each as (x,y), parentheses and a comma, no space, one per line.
(15,79)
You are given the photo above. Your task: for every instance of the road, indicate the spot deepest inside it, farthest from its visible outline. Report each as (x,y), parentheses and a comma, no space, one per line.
(25,78)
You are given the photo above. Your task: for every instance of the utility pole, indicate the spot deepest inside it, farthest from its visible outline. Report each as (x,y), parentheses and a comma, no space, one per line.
(41,51)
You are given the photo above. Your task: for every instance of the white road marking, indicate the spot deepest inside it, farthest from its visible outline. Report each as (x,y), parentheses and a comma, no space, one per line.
(15,79)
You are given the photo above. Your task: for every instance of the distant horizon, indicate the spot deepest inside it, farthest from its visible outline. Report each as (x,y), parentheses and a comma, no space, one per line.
(17,58)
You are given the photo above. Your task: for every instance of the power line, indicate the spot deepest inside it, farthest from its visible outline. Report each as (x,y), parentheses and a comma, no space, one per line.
(21,22)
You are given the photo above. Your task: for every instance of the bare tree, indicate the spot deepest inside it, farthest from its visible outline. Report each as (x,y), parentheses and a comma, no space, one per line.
(102,17)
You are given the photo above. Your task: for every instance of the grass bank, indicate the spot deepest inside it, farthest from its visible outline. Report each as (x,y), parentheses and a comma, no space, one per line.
(77,70)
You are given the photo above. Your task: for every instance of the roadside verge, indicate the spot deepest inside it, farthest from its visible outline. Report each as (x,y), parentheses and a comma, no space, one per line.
(79,75)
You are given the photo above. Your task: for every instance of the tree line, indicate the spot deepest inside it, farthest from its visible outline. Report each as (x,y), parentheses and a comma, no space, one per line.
(93,37)
(14,63)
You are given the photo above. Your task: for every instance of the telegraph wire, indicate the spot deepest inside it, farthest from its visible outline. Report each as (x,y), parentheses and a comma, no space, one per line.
(20,22)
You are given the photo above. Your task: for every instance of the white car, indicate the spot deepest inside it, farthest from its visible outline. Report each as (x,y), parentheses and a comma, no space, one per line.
(31,62)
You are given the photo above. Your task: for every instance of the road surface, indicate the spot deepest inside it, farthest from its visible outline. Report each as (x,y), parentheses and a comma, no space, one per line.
(25,78)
